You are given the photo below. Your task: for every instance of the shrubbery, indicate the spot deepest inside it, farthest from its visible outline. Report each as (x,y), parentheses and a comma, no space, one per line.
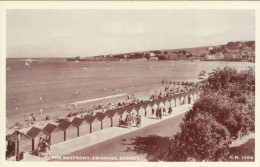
(224,112)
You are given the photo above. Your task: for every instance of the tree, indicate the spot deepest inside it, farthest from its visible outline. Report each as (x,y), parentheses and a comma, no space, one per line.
(201,138)
(224,112)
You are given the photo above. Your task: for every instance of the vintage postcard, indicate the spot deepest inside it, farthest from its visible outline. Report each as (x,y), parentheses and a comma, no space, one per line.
(129,82)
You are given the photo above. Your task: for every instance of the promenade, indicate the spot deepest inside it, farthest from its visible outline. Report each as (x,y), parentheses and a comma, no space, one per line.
(67,147)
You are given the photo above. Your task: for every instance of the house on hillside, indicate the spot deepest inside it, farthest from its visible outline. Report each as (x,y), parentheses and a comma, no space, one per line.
(152,54)
(153,58)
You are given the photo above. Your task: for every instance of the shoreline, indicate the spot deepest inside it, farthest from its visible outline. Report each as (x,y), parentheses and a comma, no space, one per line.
(88,104)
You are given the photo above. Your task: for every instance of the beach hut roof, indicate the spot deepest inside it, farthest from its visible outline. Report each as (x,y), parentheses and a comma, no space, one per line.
(158,101)
(33,132)
(145,104)
(64,125)
(137,106)
(77,121)
(120,111)
(14,136)
(111,113)
(129,108)
(101,115)
(164,99)
(49,128)
(90,118)
(153,102)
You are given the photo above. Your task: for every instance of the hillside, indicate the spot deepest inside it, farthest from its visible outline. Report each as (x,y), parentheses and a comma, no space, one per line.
(232,51)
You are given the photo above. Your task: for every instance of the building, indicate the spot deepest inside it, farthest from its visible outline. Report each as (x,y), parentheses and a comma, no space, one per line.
(95,123)
(178,100)
(35,134)
(123,113)
(148,108)
(82,126)
(56,135)
(114,116)
(106,121)
(19,141)
(140,110)
(131,110)
(160,103)
(167,103)
(70,131)
(154,104)
(195,96)
(172,101)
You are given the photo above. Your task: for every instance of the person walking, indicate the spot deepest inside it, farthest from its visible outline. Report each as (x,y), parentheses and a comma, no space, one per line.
(164,111)
(157,113)
(132,119)
(47,147)
(160,114)
(170,111)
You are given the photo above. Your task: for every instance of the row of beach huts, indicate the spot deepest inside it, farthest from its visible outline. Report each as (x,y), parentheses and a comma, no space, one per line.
(67,130)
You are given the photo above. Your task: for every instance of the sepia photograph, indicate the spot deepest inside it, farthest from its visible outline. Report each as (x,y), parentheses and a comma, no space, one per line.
(130,85)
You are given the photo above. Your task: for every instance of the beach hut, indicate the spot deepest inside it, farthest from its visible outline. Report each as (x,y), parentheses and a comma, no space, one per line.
(70,131)
(140,109)
(186,98)
(11,141)
(95,123)
(182,98)
(56,135)
(18,139)
(148,108)
(172,101)
(82,126)
(106,121)
(154,105)
(190,98)
(167,103)
(160,103)
(35,134)
(195,95)
(25,143)
(178,100)
(123,113)
(131,110)
(113,114)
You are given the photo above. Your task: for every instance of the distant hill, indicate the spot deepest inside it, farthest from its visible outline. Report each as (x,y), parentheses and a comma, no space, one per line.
(243,50)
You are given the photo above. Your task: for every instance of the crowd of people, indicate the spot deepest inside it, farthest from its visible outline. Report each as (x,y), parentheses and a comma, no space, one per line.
(171,89)
(130,120)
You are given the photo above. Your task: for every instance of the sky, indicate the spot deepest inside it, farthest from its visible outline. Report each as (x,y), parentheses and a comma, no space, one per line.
(71,33)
